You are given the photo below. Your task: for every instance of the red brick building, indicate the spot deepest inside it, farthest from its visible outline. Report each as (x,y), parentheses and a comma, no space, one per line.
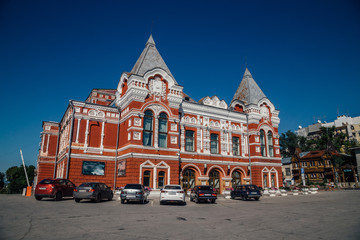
(149,131)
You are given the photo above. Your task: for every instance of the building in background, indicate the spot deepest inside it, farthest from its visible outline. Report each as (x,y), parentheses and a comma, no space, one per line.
(347,125)
(149,131)
(287,171)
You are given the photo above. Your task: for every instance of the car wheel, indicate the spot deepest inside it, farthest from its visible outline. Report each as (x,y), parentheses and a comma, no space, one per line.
(256,199)
(58,196)
(38,198)
(213,200)
(161,203)
(196,200)
(191,199)
(122,201)
(98,198)
(111,197)
(232,196)
(77,200)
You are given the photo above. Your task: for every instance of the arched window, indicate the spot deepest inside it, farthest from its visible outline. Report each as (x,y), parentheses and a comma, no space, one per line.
(214,179)
(270,144)
(214,143)
(148,128)
(147,178)
(188,180)
(262,143)
(236,179)
(265,182)
(162,141)
(161,179)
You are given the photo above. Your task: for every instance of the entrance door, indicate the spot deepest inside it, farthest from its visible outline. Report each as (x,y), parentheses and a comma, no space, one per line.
(214,180)
(188,179)
(161,179)
(147,178)
(236,179)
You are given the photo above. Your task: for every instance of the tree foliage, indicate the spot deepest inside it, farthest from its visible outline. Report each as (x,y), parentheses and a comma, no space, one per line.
(328,140)
(17,179)
(2,180)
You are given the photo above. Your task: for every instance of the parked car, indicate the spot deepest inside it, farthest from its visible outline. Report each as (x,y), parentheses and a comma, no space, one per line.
(246,192)
(134,192)
(172,193)
(95,191)
(56,188)
(203,193)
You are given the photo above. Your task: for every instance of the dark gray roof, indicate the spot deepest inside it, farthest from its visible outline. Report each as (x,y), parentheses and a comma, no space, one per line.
(286,160)
(149,59)
(248,90)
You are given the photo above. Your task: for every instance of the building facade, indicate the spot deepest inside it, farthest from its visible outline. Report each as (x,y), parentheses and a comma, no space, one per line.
(149,131)
(350,126)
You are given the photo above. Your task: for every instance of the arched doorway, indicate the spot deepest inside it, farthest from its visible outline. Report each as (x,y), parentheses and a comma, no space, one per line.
(188,180)
(236,179)
(214,180)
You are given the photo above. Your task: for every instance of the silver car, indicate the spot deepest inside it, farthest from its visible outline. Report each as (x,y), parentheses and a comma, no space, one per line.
(134,192)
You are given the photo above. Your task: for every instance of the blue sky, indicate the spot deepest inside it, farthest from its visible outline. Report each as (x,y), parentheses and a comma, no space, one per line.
(304,55)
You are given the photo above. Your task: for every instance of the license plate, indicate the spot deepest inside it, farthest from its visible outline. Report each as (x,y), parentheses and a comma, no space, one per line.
(253,192)
(172,193)
(42,188)
(207,194)
(82,190)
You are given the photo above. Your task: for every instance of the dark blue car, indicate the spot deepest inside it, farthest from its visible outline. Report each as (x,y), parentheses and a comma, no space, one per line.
(245,192)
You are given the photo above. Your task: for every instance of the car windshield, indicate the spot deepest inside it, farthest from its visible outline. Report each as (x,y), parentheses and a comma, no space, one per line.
(133,186)
(172,187)
(205,188)
(88,185)
(252,188)
(47,181)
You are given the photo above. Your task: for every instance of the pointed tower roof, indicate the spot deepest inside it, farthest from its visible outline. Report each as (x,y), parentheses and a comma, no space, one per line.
(149,59)
(248,91)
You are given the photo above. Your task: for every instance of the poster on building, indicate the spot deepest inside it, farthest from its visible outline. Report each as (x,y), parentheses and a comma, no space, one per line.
(93,168)
(122,168)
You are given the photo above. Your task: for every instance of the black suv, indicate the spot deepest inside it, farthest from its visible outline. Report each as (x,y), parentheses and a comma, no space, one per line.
(203,193)
(245,192)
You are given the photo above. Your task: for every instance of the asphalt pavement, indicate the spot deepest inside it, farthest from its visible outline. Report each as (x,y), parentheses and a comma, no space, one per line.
(326,215)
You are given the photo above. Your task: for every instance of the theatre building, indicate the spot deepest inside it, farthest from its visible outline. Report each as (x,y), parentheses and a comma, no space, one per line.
(149,131)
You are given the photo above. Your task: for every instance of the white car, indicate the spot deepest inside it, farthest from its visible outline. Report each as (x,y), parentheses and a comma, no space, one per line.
(172,193)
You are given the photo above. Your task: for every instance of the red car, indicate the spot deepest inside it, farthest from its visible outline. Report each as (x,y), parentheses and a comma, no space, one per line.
(56,188)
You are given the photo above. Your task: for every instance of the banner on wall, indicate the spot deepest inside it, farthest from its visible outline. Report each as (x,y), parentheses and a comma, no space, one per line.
(122,168)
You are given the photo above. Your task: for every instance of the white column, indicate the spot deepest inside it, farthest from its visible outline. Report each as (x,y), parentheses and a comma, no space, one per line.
(154,178)
(77,131)
(42,143)
(47,144)
(156,132)
(102,135)
(86,133)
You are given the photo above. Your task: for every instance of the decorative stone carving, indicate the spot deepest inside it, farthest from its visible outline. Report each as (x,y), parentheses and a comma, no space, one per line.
(137,122)
(157,87)
(137,136)
(96,113)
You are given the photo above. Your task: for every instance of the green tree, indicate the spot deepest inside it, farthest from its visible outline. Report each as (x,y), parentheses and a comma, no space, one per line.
(2,180)
(289,141)
(17,179)
(331,141)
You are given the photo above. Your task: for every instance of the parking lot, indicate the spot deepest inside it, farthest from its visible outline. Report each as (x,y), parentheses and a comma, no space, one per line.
(326,215)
